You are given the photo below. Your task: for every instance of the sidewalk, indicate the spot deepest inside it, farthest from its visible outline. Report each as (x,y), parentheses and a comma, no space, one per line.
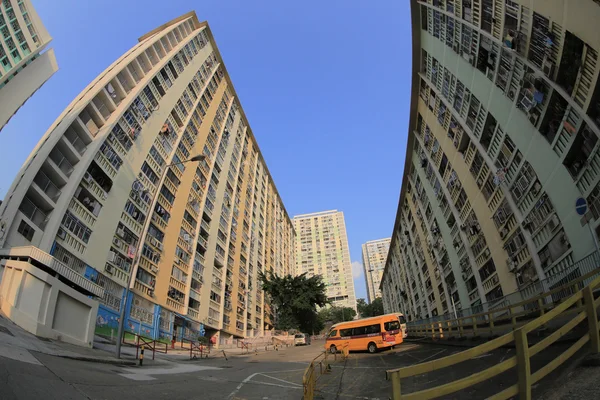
(16,343)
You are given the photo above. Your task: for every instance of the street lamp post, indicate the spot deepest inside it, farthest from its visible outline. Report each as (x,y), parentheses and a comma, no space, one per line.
(138,251)
(372,283)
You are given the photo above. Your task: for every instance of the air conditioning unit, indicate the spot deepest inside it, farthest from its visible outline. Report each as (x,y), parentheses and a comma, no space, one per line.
(104,195)
(121,232)
(116,242)
(62,234)
(511,265)
(186,237)
(87,178)
(159,245)
(112,256)
(486,253)
(108,268)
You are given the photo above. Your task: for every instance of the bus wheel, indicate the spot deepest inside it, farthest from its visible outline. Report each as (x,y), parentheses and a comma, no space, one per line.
(372,347)
(333,349)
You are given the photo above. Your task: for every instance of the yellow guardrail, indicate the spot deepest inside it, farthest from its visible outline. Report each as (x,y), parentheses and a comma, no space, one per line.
(581,300)
(496,320)
(320,363)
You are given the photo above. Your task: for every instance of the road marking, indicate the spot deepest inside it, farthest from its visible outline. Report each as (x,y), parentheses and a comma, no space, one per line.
(504,356)
(138,374)
(433,355)
(281,380)
(237,389)
(249,379)
(481,356)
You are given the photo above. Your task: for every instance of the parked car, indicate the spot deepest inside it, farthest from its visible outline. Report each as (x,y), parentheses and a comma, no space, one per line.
(300,339)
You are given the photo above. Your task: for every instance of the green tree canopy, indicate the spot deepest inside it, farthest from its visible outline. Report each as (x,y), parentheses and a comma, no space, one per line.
(334,315)
(295,299)
(373,309)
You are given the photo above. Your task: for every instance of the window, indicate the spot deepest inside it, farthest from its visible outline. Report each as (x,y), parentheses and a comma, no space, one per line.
(346,332)
(392,326)
(74,225)
(157,157)
(402,319)
(332,333)
(26,230)
(149,173)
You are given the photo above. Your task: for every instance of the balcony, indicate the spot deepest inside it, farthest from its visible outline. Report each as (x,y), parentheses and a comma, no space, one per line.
(35,214)
(219,260)
(61,162)
(74,138)
(202,242)
(46,185)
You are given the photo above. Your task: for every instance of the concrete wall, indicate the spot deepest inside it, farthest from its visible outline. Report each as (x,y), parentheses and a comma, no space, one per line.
(46,307)
(20,88)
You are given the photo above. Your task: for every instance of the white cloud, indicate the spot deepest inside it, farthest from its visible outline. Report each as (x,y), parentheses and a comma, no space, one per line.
(357,269)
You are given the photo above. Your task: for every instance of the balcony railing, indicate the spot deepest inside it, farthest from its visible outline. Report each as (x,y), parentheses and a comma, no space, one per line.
(61,162)
(46,185)
(31,211)
(75,141)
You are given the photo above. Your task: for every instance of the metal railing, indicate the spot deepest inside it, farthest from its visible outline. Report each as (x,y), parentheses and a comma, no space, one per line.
(579,268)
(318,366)
(151,344)
(581,305)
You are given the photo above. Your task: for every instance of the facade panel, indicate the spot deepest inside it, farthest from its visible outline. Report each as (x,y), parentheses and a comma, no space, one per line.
(503,139)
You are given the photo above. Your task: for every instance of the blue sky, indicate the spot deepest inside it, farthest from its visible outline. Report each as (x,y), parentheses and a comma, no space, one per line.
(325,86)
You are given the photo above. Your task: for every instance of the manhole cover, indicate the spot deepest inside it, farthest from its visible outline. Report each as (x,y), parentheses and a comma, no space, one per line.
(5,330)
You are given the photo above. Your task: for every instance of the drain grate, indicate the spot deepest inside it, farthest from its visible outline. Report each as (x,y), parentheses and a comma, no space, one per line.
(5,330)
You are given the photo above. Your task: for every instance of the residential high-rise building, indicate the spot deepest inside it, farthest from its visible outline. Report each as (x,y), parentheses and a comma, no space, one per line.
(374,255)
(23,66)
(322,249)
(117,168)
(502,142)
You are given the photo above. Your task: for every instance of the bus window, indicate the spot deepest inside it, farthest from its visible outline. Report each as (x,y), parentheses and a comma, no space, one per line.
(402,319)
(361,330)
(346,332)
(373,329)
(332,333)
(392,326)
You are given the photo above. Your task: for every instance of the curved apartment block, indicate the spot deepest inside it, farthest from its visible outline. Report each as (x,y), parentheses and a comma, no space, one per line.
(23,66)
(114,170)
(503,140)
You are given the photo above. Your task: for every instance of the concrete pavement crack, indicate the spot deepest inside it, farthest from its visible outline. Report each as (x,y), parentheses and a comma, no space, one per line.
(61,379)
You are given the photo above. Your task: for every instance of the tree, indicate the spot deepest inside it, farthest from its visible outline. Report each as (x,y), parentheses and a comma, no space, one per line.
(333,315)
(362,307)
(295,300)
(370,310)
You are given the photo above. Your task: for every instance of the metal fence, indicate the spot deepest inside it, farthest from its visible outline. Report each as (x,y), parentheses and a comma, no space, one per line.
(580,268)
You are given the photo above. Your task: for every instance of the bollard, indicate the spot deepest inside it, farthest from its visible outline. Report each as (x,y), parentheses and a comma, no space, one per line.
(142,355)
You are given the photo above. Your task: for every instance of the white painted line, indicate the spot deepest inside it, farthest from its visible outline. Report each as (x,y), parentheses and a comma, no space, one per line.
(237,389)
(481,356)
(281,380)
(139,374)
(433,355)
(504,356)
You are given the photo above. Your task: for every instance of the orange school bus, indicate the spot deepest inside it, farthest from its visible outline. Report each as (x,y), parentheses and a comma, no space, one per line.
(371,334)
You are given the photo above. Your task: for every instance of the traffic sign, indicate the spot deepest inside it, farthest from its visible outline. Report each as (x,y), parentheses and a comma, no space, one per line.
(581,206)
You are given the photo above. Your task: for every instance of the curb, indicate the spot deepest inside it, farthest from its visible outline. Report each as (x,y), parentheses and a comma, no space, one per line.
(100,360)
